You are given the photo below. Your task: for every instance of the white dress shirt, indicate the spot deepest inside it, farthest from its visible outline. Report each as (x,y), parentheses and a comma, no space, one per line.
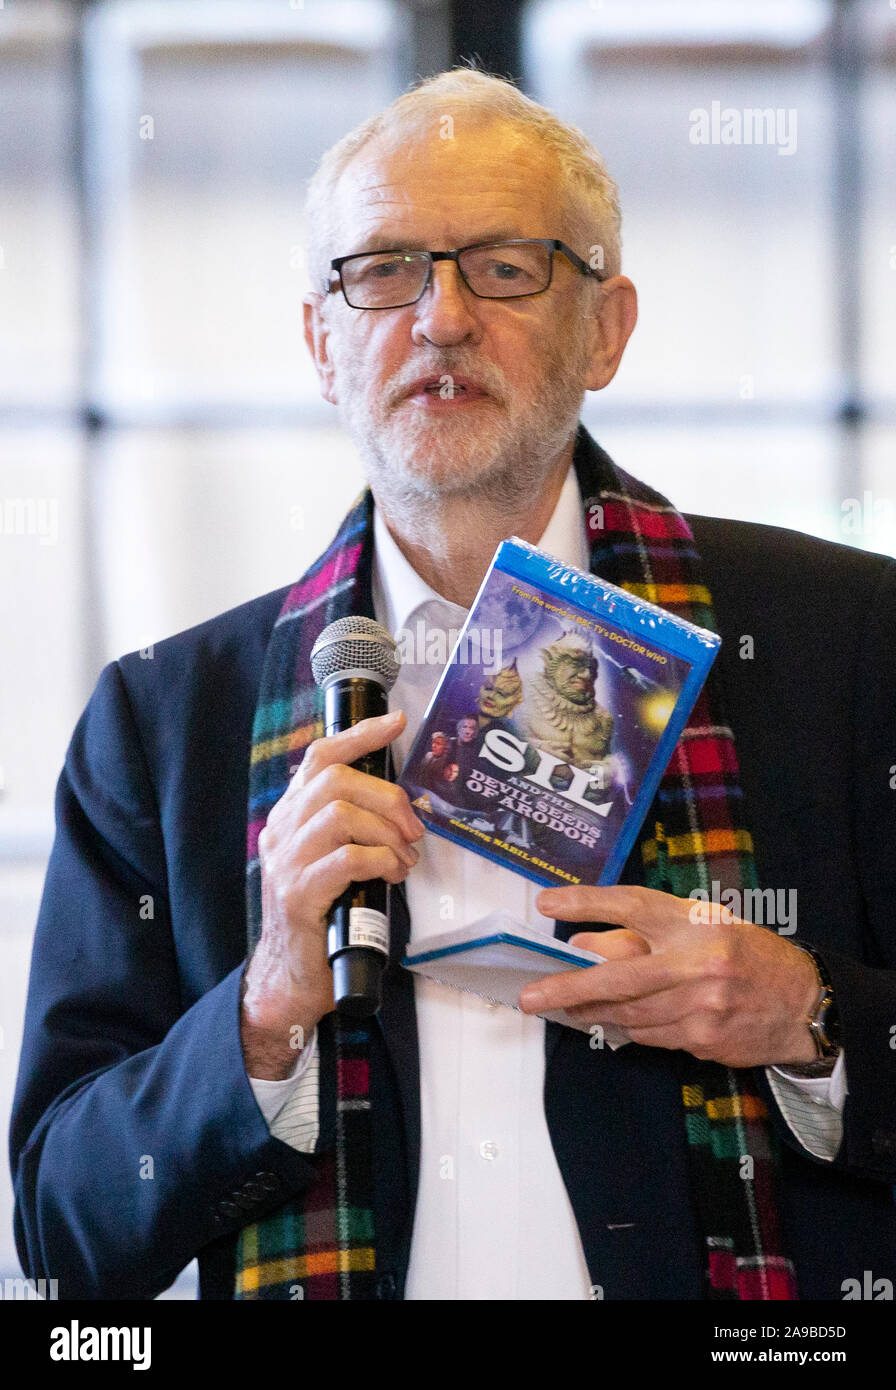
(493,1218)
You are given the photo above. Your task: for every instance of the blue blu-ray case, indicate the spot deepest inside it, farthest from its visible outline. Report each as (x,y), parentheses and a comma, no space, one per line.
(554,719)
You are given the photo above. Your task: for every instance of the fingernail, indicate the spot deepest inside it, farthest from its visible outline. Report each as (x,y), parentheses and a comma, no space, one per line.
(393,716)
(532,999)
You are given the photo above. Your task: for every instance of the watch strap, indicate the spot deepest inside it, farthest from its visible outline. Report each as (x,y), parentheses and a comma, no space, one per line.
(822,1019)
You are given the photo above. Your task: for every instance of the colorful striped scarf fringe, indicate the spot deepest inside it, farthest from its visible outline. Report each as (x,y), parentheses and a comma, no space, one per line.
(323,1245)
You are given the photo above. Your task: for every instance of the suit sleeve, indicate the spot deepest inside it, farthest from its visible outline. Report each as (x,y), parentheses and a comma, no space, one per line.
(866,990)
(136,1139)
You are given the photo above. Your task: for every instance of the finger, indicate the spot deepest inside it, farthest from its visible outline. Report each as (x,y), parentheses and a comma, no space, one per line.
(612,945)
(659,1010)
(620,904)
(341,783)
(341,823)
(611,983)
(351,744)
(645,910)
(686,1031)
(321,883)
(668,1037)
(700,1035)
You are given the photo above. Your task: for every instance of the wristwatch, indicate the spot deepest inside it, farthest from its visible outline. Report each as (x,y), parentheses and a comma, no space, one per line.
(822,1020)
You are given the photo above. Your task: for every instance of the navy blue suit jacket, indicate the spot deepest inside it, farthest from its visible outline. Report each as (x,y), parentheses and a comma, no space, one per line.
(132,1064)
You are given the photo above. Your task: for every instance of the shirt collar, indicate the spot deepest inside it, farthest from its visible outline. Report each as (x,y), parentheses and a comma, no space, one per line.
(398,590)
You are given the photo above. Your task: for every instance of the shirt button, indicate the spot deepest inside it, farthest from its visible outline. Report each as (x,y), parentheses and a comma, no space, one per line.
(488,1149)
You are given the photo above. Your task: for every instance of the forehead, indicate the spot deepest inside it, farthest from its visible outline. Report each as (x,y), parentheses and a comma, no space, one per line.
(414,186)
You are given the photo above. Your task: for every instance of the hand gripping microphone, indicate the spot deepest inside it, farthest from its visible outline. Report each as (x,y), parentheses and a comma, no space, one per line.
(354,662)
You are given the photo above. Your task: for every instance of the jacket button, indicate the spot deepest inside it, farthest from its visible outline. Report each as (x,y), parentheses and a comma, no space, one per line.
(385,1286)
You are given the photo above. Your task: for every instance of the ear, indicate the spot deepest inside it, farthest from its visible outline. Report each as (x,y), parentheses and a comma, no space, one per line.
(616,316)
(317,333)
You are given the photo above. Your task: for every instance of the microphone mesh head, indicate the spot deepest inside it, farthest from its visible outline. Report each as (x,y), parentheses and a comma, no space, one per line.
(355,646)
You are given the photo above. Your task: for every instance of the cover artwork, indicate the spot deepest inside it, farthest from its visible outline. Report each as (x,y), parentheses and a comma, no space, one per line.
(554,719)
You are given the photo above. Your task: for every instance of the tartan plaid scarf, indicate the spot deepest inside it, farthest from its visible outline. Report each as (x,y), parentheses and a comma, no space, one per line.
(322,1245)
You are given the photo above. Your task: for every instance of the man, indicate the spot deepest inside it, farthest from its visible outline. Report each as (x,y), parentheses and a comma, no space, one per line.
(176,1098)
(435,762)
(466,746)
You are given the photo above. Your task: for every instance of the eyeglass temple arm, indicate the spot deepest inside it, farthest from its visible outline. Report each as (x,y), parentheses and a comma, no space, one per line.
(576,260)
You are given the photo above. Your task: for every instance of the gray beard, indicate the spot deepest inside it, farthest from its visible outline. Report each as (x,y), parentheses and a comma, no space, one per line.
(520,460)
(521,447)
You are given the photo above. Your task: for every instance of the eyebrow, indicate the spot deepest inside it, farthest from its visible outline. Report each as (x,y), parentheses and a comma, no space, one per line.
(382,242)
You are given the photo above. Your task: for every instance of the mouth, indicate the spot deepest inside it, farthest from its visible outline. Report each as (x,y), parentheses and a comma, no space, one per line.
(445,389)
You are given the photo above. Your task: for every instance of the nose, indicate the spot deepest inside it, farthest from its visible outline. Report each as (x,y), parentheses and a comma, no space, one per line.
(445,314)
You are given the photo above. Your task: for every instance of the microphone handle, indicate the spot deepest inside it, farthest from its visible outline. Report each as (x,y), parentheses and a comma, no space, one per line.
(358,922)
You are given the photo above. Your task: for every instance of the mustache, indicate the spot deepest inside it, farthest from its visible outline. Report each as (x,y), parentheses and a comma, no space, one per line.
(485,374)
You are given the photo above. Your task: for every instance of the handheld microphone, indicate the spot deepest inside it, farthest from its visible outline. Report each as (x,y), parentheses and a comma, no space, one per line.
(354,661)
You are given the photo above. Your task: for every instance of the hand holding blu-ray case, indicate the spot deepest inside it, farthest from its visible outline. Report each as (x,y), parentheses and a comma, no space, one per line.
(554,720)
(497,956)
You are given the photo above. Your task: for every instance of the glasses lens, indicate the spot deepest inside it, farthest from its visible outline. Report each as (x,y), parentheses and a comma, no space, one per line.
(384,280)
(507,269)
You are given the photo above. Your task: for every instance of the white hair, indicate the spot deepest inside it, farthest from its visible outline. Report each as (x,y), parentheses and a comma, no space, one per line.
(590,194)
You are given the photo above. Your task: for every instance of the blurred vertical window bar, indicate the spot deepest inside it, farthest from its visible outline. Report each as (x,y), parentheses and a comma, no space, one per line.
(752,142)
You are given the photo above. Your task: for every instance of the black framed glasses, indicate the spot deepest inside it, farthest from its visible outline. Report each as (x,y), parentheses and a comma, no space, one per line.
(490,270)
